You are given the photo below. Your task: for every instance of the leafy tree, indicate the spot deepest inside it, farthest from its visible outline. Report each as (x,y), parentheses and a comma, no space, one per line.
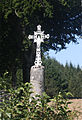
(60,18)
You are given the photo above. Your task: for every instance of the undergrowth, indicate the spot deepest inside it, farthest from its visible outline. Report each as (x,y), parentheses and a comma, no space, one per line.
(19,105)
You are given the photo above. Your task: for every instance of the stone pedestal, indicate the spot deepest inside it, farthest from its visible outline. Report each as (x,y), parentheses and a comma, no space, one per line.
(37,80)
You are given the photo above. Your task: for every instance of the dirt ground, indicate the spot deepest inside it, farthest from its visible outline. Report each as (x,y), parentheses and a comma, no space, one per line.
(76,106)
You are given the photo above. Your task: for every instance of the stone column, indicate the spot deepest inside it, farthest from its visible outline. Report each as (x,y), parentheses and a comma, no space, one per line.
(37,80)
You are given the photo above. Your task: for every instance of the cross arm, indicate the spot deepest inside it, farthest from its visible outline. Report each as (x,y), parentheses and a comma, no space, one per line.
(31,37)
(47,36)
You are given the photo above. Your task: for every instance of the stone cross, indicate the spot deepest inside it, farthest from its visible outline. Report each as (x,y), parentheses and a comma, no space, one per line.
(38,37)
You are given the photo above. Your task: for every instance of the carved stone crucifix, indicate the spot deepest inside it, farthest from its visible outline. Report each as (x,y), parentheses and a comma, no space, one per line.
(38,37)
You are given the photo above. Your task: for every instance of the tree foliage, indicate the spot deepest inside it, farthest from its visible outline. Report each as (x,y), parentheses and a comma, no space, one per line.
(60,18)
(59,78)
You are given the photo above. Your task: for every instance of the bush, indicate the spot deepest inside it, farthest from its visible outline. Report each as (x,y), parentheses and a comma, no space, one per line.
(5,81)
(19,105)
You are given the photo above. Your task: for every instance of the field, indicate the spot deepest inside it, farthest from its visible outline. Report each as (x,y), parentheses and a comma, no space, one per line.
(76,106)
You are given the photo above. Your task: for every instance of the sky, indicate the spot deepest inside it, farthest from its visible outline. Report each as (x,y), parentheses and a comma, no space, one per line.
(72,54)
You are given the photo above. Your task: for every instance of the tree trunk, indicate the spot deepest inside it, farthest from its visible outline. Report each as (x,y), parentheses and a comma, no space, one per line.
(28,61)
(26,68)
(14,77)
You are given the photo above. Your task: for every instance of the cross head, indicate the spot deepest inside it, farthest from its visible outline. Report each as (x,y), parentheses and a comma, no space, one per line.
(38,37)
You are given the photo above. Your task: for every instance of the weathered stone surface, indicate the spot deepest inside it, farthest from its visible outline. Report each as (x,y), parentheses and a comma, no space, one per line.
(37,80)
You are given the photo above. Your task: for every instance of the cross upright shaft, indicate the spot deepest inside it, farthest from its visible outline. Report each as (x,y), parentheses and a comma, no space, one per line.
(38,37)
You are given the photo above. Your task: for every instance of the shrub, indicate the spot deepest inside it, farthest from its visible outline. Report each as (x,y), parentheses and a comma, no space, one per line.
(19,105)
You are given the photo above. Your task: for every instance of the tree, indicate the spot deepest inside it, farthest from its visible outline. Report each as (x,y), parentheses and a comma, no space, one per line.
(54,77)
(60,18)
(62,79)
(75,81)
(10,45)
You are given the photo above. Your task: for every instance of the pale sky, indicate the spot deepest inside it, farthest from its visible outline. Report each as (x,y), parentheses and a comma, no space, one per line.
(72,54)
